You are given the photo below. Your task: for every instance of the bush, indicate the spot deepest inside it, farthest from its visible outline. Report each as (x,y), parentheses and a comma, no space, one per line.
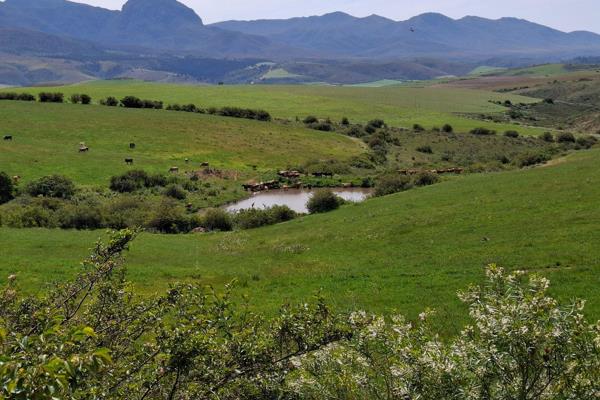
(109,101)
(247,113)
(426,179)
(255,218)
(169,217)
(75,98)
(176,192)
(321,126)
(46,97)
(56,186)
(134,180)
(30,216)
(586,142)
(447,128)
(483,131)
(377,123)
(345,121)
(17,96)
(418,128)
(310,120)
(323,201)
(425,149)
(565,137)
(549,101)
(532,158)
(80,216)
(132,102)
(511,134)
(216,219)
(7,188)
(85,99)
(547,137)
(390,184)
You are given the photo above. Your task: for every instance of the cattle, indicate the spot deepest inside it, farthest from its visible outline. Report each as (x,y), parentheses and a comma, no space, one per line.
(322,174)
(132,146)
(8,137)
(187,160)
(84,149)
(129,161)
(205,164)
(16,178)
(174,170)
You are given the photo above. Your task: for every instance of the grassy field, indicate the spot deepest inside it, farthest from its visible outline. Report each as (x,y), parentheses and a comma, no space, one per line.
(399,106)
(403,252)
(47,137)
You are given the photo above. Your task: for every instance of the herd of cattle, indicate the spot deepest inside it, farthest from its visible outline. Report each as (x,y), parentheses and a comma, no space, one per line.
(83,148)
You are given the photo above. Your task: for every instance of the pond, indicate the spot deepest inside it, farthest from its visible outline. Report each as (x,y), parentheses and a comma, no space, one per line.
(295,199)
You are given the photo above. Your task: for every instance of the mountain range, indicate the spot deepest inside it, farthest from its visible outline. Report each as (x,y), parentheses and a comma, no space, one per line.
(146,32)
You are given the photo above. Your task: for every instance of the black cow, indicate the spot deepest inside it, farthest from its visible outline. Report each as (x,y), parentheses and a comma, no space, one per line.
(8,137)
(129,161)
(132,146)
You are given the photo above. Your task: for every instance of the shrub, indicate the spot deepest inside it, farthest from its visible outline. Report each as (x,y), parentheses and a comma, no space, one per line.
(425,149)
(134,180)
(216,219)
(483,131)
(46,97)
(152,104)
(345,121)
(17,96)
(247,113)
(132,102)
(390,184)
(547,137)
(75,98)
(355,131)
(586,142)
(377,123)
(565,137)
(169,217)
(447,128)
(56,186)
(549,101)
(126,211)
(323,201)
(176,192)
(426,179)
(532,158)
(310,120)
(511,134)
(418,128)
(7,188)
(255,218)
(109,101)
(278,214)
(86,99)
(31,216)
(321,126)
(80,216)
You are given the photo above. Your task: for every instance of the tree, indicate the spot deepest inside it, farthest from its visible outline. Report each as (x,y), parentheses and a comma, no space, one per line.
(7,188)
(447,128)
(85,99)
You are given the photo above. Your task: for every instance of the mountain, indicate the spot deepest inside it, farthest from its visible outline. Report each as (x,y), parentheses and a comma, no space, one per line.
(165,25)
(430,34)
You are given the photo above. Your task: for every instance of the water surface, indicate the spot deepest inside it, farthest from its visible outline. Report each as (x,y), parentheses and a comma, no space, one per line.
(295,199)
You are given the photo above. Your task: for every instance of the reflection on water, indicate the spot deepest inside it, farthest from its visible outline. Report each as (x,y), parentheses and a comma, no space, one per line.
(295,199)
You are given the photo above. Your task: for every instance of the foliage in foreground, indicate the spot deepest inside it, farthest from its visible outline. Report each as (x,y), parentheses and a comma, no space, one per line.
(92,338)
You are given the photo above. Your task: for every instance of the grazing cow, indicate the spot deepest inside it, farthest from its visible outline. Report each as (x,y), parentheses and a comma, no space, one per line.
(16,178)
(187,160)
(84,149)
(129,161)
(174,170)
(8,137)
(132,146)
(204,164)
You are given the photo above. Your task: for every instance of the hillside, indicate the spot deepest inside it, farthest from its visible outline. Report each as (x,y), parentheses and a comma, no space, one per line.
(47,142)
(414,249)
(398,106)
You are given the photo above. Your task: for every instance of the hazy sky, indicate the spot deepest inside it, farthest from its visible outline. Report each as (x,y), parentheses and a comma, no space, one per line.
(567,15)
